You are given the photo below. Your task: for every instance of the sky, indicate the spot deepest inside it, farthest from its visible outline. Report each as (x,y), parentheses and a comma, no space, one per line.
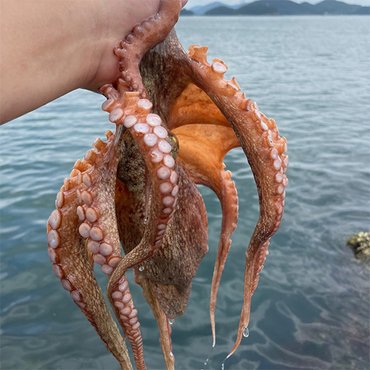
(232,2)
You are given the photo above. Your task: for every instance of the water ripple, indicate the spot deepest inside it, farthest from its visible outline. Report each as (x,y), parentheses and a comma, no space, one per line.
(311,308)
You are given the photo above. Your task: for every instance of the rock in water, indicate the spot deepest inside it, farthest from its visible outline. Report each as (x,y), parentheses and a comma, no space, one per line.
(360,244)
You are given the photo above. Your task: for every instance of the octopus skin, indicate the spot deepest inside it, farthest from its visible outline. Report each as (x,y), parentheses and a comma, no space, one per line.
(132,201)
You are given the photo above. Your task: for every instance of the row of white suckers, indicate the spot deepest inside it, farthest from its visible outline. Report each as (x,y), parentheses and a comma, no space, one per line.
(279,165)
(154,137)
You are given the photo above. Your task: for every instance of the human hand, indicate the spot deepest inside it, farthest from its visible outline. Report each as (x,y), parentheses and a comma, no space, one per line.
(52,50)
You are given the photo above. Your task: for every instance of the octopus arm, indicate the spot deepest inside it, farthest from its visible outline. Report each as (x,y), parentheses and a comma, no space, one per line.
(202,151)
(166,276)
(99,227)
(143,37)
(265,150)
(134,114)
(97,209)
(162,321)
(72,265)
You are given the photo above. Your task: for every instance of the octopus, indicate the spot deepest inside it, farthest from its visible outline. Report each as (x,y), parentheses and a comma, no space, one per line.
(132,202)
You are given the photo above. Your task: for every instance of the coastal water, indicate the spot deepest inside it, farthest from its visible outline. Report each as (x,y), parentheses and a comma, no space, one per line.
(311,309)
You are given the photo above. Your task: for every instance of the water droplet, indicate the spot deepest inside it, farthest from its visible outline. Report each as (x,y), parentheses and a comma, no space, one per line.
(246,332)
(171,355)
(223,366)
(141,268)
(171,321)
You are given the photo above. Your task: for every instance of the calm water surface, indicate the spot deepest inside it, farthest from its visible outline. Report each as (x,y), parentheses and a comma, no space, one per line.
(311,310)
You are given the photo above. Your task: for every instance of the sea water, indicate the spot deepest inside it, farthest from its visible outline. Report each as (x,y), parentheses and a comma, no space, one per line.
(311,309)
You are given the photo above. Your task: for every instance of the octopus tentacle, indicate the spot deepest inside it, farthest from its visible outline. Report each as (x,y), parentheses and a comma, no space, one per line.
(154,143)
(162,321)
(147,130)
(265,150)
(70,259)
(202,151)
(142,38)
(169,287)
(97,211)
(229,205)
(99,227)
(156,147)
(126,312)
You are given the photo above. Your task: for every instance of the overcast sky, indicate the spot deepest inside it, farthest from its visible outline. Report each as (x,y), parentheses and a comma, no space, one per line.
(204,2)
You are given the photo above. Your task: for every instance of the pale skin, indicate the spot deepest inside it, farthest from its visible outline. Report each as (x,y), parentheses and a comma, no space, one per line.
(51,47)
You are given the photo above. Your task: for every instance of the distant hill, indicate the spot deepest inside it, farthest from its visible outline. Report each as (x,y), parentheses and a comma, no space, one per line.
(221,10)
(187,12)
(282,7)
(337,7)
(202,9)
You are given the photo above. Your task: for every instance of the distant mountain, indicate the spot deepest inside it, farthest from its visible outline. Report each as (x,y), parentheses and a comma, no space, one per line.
(337,7)
(276,7)
(186,12)
(202,9)
(221,10)
(283,7)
